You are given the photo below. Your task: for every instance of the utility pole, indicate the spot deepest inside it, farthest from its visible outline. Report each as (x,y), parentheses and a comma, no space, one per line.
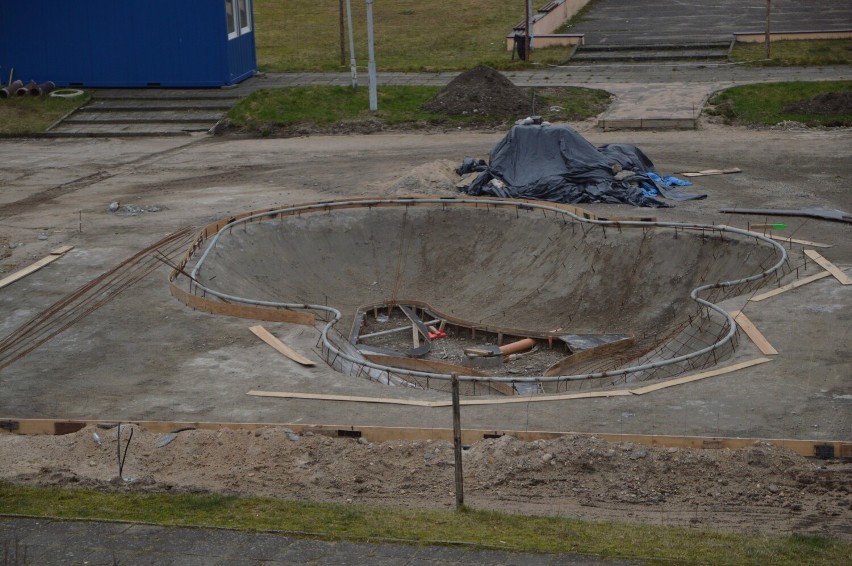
(766,40)
(352,68)
(371,68)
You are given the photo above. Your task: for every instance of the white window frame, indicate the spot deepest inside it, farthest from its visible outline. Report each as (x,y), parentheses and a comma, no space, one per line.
(244,27)
(235,18)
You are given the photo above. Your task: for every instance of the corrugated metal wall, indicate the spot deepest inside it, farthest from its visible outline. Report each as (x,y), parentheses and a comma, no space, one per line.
(114,43)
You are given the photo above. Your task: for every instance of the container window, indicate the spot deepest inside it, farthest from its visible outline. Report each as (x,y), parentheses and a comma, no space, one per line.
(245,15)
(231,17)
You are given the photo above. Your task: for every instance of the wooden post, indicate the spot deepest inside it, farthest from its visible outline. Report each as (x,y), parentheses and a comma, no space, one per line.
(457,442)
(768,27)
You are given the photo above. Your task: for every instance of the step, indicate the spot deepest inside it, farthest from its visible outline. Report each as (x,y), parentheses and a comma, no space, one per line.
(648,124)
(658,47)
(119,117)
(127,130)
(145,105)
(635,56)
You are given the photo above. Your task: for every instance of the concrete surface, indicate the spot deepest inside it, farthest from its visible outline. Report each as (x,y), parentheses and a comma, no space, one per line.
(50,542)
(146,356)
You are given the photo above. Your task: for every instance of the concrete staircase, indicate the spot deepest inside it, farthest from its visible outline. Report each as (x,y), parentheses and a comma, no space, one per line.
(117,113)
(660,53)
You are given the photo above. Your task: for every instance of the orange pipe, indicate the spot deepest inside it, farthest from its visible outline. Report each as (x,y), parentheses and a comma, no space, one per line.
(518,346)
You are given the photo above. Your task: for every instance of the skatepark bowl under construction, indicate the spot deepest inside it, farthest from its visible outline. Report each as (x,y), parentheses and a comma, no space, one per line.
(604,302)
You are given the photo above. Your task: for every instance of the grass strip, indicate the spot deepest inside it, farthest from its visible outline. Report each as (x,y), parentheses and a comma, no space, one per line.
(339,108)
(795,52)
(764,104)
(362,523)
(31,114)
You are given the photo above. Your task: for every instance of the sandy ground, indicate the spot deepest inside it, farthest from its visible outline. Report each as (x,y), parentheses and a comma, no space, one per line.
(146,356)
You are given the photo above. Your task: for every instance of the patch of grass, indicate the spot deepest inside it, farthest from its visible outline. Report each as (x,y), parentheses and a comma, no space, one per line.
(30,114)
(763,104)
(796,52)
(268,111)
(410,35)
(481,528)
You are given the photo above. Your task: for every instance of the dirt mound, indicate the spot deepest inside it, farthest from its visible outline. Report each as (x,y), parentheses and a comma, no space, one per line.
(481,90)
(823,104)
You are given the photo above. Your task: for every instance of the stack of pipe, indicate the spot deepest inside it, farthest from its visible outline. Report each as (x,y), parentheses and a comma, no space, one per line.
(32,88)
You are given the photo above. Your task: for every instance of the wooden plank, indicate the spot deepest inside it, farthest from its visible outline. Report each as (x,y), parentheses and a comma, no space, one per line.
(348,398)
(711,172)
(753,333)
(830,267)
(32,268)
(698,376)
(806,448)
(796,241)
(543,398)
(280,346)
(789,286)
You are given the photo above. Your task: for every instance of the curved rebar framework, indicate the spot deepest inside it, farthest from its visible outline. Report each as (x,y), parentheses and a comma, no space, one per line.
(197,296)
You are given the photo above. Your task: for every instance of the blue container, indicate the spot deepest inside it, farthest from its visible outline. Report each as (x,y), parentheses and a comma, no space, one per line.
(128,43)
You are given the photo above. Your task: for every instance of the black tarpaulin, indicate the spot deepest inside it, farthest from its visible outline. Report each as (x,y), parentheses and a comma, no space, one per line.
(557,164)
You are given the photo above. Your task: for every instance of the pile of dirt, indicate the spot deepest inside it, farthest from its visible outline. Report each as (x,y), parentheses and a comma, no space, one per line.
(763,487)
(828,103)
(481,91)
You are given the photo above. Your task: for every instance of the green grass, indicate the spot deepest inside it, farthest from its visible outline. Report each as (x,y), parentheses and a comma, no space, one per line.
(29,114)
(271,112)
(480,528)
(763,104)
(796,52)
(410,35)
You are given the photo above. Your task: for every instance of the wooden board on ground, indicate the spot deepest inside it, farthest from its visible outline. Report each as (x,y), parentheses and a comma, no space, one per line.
(280,346)
(753,333)
(781,238)
(323,397)
(789,286)
(830,267)
(807,448)
(48,259)
(698,376)
(711,172)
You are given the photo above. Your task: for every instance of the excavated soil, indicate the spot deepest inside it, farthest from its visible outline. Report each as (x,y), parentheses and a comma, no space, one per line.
(481,90)
(826,104)
(762,488)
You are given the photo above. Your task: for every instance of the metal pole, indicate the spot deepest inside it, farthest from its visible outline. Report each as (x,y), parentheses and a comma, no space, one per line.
(342,38)
(371,69)
(457,442)
(768,27)
(352,68)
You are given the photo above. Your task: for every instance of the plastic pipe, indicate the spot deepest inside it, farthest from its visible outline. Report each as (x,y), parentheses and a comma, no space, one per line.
(11,89)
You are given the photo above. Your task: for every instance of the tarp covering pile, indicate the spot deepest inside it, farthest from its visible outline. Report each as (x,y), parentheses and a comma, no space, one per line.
(557,164)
